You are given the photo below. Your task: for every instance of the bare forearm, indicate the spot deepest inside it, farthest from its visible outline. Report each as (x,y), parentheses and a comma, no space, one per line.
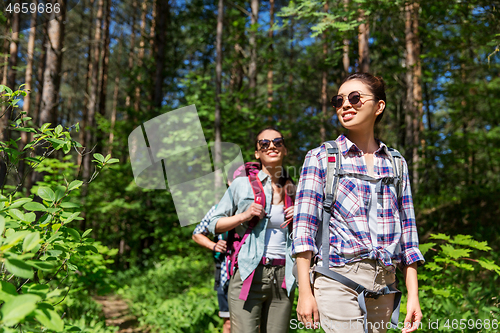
(303,265)
(411,280)
(204,241)
(227,223)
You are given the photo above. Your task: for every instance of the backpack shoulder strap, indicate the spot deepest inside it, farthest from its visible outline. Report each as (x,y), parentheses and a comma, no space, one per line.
(259,198)
(333,165)
(397,165)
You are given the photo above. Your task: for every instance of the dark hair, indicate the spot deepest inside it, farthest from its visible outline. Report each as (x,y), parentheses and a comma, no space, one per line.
(284,174)
(376,85)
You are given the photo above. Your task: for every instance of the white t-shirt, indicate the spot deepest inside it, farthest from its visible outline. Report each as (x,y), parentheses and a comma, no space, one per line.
(275,243)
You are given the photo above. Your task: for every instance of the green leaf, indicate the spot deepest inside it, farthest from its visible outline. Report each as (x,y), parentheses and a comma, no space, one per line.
(35,206)
(16,214)
(425,247)
(58,130)
(74,185)
(450,251)
(107,157)
(75,234)
(466,240)
(68,204)
(489,265)
(86,233)
(7,291)
(39,289)
(50,319)
(113,160)
(16,309)
(43,265)
(99,157)
(440,236)
(72,217)
(44,127)
(2,224)
(13,239)
(67,147)
(45,220)
(19,268)
(60,192)
(30,217)
(46,194)
(20,202)
(31,241)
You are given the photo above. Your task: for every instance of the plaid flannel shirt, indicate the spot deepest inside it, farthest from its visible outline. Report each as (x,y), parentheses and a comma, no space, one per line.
(202,228)
(350,241)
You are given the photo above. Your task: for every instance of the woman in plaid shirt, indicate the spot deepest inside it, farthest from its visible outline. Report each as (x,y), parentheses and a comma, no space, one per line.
(370,233)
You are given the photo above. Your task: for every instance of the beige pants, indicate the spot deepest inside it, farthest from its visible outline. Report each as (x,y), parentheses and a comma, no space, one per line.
(267,308)
(338,305)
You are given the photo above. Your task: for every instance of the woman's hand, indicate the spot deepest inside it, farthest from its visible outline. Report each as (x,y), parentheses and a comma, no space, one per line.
(414,314)
(307,310)
(220,246)
(255,209)
(413,317)
(289,215)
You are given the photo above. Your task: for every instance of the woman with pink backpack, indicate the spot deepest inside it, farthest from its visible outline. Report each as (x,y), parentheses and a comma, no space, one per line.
(258,210)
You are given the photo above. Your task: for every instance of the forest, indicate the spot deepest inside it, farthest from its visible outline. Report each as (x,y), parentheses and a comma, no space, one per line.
(84,248)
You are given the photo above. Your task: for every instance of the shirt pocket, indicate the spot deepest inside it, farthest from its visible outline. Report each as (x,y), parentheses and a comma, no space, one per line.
(347,203)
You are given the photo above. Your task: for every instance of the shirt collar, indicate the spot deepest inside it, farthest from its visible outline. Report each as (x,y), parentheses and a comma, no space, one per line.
(262,175)
(346,145)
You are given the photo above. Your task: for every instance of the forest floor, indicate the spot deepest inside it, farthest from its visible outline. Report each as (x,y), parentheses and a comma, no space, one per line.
(117,313)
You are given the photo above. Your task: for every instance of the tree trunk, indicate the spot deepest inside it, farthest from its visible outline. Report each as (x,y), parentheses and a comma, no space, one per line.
(418,124)
(345,49)
(141,57)
(252,69)
(132,47)
(105,60)
(218,83)
(94,83)
(5,51)
(53,63)
(413,110)
(11,75)
(104,73)
(88,75)
(290,65)
(154,19)
(25,136)
(324,83)
(271,58)
(163,20)
(113,114)
(364,51)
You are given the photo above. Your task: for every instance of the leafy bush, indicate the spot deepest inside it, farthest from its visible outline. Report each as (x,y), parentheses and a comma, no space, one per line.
(175,295)
(42,256)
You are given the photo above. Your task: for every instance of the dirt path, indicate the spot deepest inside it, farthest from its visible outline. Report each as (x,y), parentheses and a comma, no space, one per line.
(117,313)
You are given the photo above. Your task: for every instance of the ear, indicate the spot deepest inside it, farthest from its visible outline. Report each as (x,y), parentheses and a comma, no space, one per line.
(256,154)
(380,107)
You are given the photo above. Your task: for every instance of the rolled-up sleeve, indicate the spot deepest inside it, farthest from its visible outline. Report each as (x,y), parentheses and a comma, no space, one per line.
(409,236)
(308,204)
(226,207)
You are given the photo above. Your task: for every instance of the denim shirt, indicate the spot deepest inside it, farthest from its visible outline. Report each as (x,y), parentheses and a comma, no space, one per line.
(238,197)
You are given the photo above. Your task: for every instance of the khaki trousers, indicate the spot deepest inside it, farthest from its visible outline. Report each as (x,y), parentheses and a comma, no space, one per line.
(338,305)
(267,308)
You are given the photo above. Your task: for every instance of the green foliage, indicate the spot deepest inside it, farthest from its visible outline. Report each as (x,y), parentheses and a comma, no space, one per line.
(457,285)
(43,254)
(176,295)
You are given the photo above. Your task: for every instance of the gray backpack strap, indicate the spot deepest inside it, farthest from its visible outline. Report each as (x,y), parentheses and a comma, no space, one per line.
(397,165)
(333,163)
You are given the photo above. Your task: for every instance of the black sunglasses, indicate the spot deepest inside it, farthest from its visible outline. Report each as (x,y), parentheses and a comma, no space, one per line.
(264,143)
(354,98)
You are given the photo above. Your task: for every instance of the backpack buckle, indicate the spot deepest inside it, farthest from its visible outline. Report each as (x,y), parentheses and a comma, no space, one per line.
(372,294)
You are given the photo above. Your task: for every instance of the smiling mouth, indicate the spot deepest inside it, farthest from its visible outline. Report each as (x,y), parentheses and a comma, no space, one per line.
(348,116)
